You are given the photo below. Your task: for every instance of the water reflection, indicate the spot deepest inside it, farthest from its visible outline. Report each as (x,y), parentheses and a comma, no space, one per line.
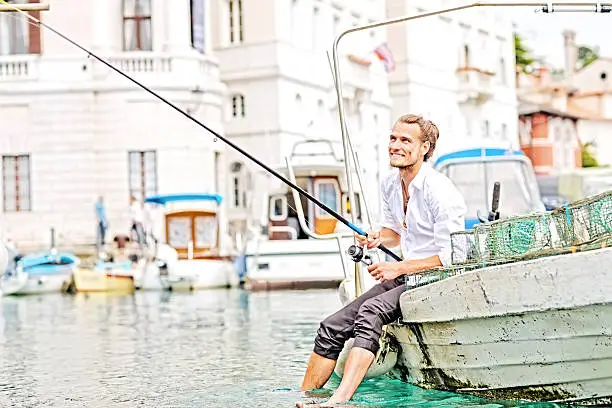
(203,349)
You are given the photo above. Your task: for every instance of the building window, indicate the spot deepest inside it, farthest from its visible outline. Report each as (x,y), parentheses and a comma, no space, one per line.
(485,128)
(235,21)
(504,132)
(198,32)
(14,33)
(137,35)
(16,183)
(240,179)
(238,108)
(142,168)
(502,71)
(466,56)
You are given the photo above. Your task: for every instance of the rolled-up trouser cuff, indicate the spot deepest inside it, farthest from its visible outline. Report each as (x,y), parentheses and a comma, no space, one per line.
(371,345)
(332,354)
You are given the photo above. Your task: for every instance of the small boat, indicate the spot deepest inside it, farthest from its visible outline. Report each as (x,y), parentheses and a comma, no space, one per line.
(116,277)
(193,253)
(287,256)
(39,273)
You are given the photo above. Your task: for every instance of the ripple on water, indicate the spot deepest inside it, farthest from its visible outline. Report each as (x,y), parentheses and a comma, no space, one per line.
(225,348)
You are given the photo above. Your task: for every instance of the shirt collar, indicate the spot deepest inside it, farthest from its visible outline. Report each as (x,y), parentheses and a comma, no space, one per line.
(419,180)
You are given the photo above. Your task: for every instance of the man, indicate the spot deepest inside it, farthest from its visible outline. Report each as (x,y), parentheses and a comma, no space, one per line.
(102,222)
(421,207)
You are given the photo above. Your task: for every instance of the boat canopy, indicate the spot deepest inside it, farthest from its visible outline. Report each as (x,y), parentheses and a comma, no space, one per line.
(168,198)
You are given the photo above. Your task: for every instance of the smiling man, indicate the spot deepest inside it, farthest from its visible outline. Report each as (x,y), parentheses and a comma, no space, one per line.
(421,208)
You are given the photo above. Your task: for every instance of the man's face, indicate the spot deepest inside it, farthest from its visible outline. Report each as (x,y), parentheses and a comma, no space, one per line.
(405,145)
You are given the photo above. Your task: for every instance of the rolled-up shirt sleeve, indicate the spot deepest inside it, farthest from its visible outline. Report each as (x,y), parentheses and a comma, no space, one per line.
(448,209)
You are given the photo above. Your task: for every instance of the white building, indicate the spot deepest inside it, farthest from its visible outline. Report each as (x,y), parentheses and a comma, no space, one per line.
(458,69)
(73,130)
(272,55)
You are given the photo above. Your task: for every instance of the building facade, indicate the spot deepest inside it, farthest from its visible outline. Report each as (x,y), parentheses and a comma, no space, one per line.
(549,138)
(458,69)
(272,55)
(73,130)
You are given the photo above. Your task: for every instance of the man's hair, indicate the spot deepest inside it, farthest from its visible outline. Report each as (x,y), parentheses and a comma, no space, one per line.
(429,131)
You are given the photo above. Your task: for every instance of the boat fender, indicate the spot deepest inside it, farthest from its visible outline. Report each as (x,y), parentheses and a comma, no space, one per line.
(385,360)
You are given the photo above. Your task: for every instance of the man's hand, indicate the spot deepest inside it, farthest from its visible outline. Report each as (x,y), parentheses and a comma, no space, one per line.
(372,241)
(386,271)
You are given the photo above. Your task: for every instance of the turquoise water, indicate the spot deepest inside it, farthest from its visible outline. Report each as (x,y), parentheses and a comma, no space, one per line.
(227,348)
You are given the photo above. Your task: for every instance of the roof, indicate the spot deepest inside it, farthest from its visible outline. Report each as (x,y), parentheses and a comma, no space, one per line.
(474,153)
(163,199)
(530,108)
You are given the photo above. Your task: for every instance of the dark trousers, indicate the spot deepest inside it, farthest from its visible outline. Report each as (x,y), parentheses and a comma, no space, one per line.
(363,318)
(140,235)
(101,233)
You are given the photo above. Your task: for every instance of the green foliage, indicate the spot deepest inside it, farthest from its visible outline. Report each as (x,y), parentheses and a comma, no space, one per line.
(586,56)
(524,60)
(588,159)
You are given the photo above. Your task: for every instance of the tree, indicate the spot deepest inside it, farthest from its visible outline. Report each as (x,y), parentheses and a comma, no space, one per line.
(586,56)
(588,159)
(524,60)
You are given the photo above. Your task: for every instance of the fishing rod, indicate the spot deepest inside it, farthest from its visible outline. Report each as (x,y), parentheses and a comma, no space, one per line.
(217,135)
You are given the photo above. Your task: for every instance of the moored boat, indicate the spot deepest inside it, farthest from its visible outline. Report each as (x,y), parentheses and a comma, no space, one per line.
(47,272)
(192,251)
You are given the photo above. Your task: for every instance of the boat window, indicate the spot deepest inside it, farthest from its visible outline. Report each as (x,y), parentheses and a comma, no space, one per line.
(475,182)
(206,231)
(469,178)
(179,231)
(278,208)
(328,193)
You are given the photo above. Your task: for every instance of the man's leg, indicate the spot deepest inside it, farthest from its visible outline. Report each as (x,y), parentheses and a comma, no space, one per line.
(333,332)
(373,315)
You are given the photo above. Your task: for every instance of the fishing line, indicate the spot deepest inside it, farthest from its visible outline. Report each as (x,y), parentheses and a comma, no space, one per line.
(215,134)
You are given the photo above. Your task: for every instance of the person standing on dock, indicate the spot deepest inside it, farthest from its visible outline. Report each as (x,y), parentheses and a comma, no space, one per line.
(102,223)
(421,208)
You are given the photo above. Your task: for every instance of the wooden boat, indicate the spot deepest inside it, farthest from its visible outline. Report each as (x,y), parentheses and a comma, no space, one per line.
(524,312)
(105,277)
(192,250)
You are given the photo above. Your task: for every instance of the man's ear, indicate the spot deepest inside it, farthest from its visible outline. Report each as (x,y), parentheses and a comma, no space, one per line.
(426,146)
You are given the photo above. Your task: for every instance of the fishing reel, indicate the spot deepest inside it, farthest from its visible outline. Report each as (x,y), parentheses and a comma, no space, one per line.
(357,254)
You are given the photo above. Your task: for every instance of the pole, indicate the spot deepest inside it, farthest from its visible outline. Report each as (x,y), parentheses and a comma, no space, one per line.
(23,7)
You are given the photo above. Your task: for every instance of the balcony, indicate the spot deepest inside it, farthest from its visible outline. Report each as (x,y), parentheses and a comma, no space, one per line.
(152,68)
(475,85)
(160,69)
(18,67)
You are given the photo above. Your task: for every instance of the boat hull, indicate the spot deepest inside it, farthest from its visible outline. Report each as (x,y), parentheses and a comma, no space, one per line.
(295,264)
(545,334)
(87,280)
(194,274)
(39,284)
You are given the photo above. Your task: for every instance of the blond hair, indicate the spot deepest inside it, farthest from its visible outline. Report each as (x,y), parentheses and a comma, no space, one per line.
(429,131)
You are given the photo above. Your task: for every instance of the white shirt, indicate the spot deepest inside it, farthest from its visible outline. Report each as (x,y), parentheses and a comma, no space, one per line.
(436,208)
(136,212)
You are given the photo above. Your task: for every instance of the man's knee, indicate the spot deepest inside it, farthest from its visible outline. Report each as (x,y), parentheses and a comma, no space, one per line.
(331,336)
